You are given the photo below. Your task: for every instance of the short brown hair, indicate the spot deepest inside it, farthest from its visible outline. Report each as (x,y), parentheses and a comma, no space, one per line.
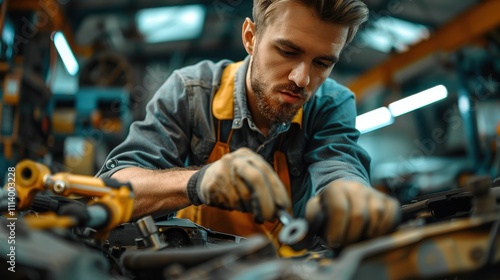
(350,13)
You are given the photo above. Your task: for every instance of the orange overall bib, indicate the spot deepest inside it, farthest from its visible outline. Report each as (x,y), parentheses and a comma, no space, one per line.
(234,222)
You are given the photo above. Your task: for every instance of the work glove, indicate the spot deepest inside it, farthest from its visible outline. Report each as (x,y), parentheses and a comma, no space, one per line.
(241,180)
(350,211)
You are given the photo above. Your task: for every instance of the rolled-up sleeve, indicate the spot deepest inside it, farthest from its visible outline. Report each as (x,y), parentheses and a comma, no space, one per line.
(332,151)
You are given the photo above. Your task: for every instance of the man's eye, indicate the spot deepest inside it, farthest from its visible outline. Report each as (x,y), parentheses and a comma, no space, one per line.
(322,65)
(286,53)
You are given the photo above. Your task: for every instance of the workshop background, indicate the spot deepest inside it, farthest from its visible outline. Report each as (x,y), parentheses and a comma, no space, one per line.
(76,73)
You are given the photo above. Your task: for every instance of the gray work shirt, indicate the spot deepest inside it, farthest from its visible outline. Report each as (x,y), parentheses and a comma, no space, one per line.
(180,130)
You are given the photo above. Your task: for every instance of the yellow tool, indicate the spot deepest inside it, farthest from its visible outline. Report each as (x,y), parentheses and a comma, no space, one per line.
(111,201)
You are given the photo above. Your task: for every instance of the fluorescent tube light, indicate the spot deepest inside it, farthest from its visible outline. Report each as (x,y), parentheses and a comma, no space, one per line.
(464,104)
(387,33)
(375,119)
(418,100)
(173,23)
(66,54)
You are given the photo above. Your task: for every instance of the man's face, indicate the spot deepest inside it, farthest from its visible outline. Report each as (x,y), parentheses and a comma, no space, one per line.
(291,59)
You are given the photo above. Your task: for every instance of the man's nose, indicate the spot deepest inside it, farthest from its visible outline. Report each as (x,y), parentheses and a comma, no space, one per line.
(300,75)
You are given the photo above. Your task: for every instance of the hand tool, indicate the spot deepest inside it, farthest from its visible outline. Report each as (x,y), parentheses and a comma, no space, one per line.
(294,230)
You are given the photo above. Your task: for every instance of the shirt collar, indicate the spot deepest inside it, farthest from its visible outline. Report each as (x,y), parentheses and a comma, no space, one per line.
(238,111)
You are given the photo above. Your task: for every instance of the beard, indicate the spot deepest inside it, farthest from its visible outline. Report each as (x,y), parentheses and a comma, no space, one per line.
(270,105)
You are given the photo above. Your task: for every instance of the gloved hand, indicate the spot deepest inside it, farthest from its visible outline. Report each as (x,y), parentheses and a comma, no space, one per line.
(352,211)
(241,180)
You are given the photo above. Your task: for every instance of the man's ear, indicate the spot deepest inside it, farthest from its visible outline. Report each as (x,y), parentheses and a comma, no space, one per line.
(248,35)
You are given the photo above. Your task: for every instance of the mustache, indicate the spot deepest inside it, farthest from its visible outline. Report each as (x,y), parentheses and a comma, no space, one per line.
(292,88)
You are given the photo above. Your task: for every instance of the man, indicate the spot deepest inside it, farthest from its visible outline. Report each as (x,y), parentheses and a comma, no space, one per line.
(277,132)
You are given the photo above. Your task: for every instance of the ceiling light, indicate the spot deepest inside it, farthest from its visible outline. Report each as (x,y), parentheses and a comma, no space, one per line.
(418,100)
(464,104)
(388,33)
(65,52)
(166,24)
(375,119)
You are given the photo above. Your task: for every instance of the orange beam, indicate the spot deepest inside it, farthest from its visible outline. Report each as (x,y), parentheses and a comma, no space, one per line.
(464,29)
(48,9)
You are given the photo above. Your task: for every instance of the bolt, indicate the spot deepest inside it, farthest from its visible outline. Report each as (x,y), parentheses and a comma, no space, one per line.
(116,251)
(106,245)
(59,186)
(140,243)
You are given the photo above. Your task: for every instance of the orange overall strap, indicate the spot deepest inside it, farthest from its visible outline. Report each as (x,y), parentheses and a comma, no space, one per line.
(281,167)
(233,222)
